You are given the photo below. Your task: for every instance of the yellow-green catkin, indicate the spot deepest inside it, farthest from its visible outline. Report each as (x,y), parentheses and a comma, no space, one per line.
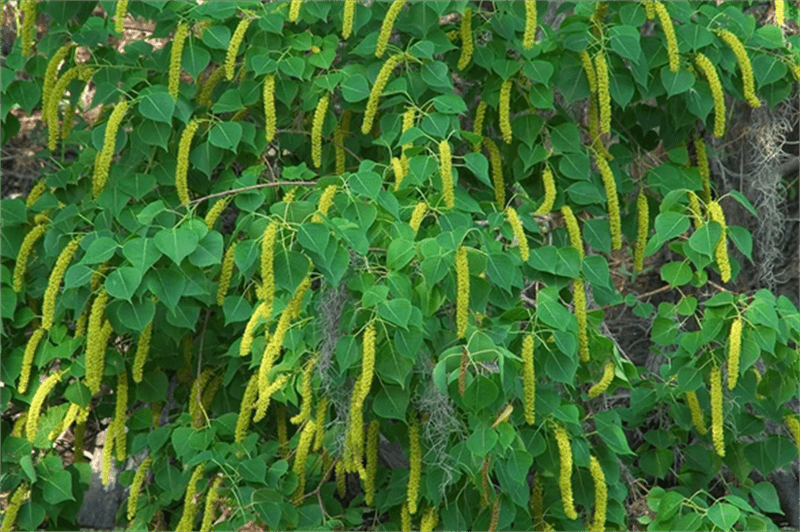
(604,382)
(579,303)
(226,273)
(54,284)
(69,418)
(405,518)
(316,130)
(347,18)
(716,411)
(27,359)
(175,59)
(51,111)
(294,10)
(249,330)
(136,486)
(669,35)
(308,393)
(142,350)
(246,408)
(416,217)
(467,45)
(67,121)
(734,352)
(373,434)
(697,413)
(408,123)
(214,212)
(211,498)
(710,72)
(233,47)
(341,129)
(694,209)
(504,110)
(497,171)
(415,466)
(529,379)
(586,61)
(80,432)
(50,75)
(35,193)
(721,251)
(271,120)
(28,28)
(549,192)
(120,12)
(746,68)
(643,226)
(360,393)
(207,87)
(32,422)
(573,230)
(102,161)
(120,411)
(446,171)
(14,504)
(322,412)
(477,125)
(19,426)
(702,167)
(531,20)
(398,171)
(485,480)
(24,252)
(603,94)
(793,425)
(780,12)
(495,517)
(377,89)
(462,294)
(519,233)
(195,397)
(325,203)
(429,520)
(600,495)
(95,352)
(649,9)
(186,524)
(565,475)
(613,202)
(303,446)
(386,27)
(182,168)
(266,290)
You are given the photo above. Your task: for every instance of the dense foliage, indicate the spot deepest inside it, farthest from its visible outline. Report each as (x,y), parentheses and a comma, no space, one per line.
(341,231)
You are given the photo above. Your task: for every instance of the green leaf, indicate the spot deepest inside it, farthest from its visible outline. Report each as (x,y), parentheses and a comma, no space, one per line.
(610,431)
(482,440)
(77,275)
(575,166)
(254,470)
(167,284)
(136,314)
(180,442)
(550,309)
(566,138)
(314,237)
(595,268)
(676,273)
(176,243)
(585,193)
(123,282)
(705,239)
(226,135)
(538,71)
(501,270)
(355,88)
(450,104)
(597,234)
(78,393)
(366,183)
(58,488)
(195,59)
(399,253)
(391,402)
(625,41)
(436,75)
(100,250)
(209,250)
(292,66)
(561,366)
(236,309)
(743,240)
(766,497)
(723,515)
(480,393)
(671,224)
(158,105)
(26,462)
(762,310)
(374,294)
(397,311)
(676,82)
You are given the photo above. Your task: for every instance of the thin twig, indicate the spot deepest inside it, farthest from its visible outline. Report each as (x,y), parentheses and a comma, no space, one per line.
(307,133)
